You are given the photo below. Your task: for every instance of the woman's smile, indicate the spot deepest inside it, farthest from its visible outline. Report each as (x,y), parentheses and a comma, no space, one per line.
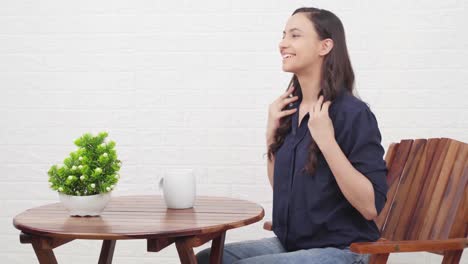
(287,56)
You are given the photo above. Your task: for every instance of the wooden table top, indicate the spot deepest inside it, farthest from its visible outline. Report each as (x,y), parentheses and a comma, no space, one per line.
(131,217)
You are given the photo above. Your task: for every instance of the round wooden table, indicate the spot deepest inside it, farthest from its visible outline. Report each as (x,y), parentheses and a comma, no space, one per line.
(139,217)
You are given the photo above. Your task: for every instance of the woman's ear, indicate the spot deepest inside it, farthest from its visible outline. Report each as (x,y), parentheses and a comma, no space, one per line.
(326,46)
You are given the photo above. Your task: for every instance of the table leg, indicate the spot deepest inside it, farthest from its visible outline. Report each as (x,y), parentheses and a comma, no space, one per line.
(217,248)
(185,250)
(185,246)
(45,256)
(43,246)
(158,244)
(107,252)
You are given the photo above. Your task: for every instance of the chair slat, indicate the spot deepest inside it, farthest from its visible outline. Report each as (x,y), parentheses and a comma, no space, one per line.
(424,199)
(460,227)
(453,195)
(410,187)
(389,157)
(437,194)
(402,150)
(417,192)
(397,216)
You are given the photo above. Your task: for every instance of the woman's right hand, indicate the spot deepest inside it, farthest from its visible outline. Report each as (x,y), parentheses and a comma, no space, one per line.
(275,112)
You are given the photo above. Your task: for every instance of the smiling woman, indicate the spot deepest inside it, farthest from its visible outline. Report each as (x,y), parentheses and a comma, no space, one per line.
(325,158)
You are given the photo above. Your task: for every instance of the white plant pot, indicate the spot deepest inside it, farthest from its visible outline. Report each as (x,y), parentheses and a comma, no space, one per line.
(91,205)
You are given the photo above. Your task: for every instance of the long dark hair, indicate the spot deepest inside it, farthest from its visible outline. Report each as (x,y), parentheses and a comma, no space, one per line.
(337,76)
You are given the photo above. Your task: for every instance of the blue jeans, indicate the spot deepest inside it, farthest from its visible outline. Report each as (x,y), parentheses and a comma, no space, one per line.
(270,251)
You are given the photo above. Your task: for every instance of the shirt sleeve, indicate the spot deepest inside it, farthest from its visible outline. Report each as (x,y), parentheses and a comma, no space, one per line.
(367,154)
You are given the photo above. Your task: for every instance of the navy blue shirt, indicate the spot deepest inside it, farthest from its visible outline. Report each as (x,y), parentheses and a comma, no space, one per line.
(310,211)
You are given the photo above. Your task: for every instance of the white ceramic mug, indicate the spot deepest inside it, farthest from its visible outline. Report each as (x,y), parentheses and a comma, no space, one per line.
(179,188)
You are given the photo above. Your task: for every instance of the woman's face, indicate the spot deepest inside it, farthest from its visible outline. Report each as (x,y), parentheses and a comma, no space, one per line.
(300,46)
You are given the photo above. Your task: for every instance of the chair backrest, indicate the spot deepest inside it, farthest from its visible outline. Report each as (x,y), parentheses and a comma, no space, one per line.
(427,195)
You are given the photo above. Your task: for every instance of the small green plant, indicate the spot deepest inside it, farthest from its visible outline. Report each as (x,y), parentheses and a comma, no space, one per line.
(91,169)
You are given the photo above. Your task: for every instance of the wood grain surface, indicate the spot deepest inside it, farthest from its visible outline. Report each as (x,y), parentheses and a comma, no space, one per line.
(131,217)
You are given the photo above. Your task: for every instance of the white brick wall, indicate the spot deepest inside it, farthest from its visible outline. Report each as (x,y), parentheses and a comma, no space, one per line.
(187,84)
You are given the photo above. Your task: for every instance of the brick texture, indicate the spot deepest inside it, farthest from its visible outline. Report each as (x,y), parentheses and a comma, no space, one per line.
(187,84)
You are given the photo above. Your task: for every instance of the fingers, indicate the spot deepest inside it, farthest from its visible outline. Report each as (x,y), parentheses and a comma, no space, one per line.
(288,101)
(287,112)
(287,93)
(326,106)
(318,105)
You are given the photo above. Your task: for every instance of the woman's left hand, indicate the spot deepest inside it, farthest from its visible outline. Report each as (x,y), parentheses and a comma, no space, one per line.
(320,124)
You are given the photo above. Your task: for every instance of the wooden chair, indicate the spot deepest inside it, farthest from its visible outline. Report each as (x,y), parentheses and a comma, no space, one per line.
(426,201)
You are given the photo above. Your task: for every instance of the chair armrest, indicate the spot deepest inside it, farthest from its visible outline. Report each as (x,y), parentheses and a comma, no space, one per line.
(386,246)
(268,225)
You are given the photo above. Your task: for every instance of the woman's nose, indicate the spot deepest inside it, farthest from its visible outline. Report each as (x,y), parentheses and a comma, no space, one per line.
(283,44)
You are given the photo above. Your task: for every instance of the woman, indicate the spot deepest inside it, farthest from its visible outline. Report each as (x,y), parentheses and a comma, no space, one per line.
(325,159)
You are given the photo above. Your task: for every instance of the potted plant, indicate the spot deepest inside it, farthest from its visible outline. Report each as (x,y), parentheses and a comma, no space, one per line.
(87,177)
